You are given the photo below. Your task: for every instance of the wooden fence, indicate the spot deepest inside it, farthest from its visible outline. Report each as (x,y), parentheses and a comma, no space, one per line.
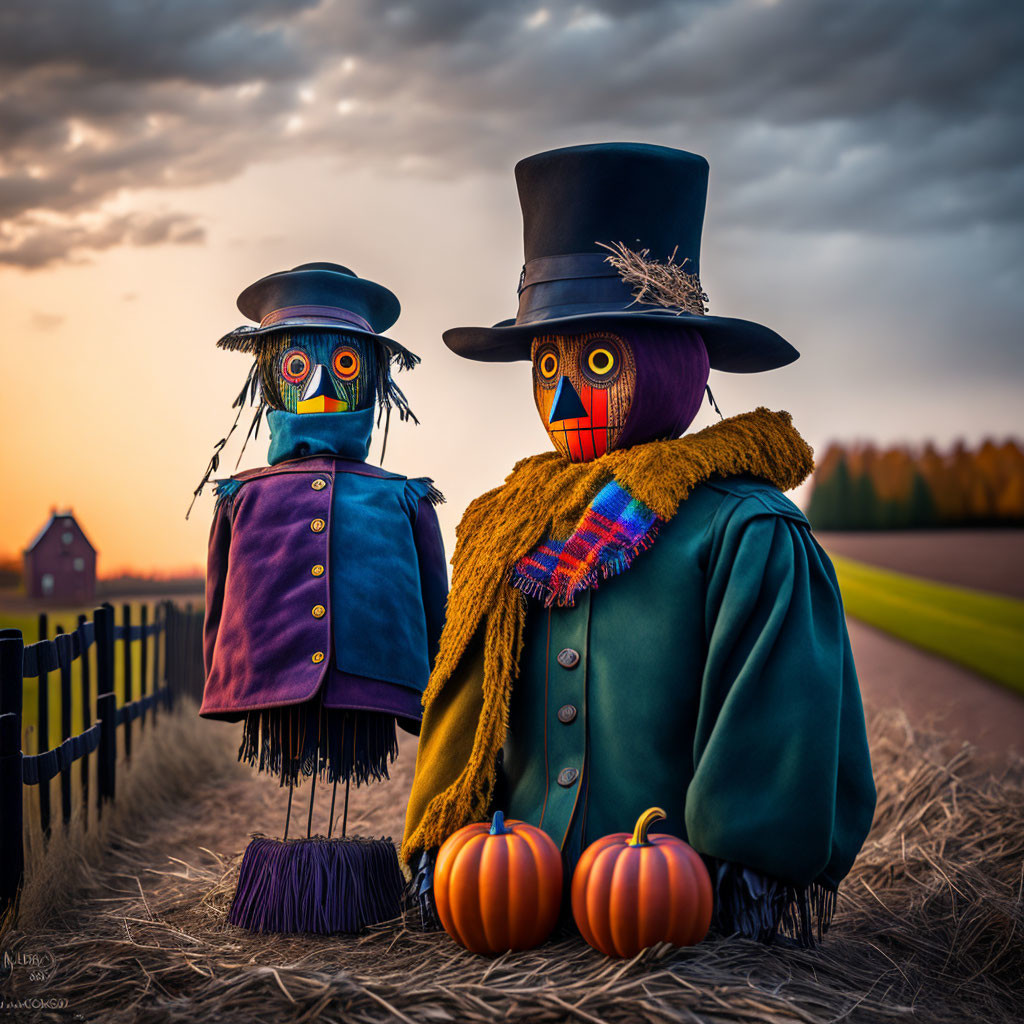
(175,669)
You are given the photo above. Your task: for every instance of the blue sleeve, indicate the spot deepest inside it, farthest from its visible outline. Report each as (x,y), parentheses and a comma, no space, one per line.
(433,572)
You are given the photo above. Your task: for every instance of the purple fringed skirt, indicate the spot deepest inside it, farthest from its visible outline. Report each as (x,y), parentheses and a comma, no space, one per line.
(335,744)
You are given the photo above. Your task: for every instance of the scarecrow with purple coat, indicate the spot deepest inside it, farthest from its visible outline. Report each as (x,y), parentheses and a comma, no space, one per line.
(640,618)
(325,590)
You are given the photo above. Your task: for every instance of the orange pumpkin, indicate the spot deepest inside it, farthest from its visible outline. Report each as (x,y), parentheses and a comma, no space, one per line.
(498,887)
(629,892)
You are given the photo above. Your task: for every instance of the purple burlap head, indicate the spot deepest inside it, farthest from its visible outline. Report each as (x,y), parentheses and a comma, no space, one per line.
(671,375)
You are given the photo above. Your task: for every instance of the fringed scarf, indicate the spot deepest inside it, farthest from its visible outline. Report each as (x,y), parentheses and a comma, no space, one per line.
(544,502)
(615,526)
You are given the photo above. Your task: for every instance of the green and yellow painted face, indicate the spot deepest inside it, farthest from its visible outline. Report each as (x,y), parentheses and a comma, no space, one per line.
(326,372)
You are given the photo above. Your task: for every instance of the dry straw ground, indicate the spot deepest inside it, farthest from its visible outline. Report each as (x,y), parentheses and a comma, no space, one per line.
(929,924)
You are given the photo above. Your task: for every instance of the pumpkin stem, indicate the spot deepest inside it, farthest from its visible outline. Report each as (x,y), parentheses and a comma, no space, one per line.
(643,823)
(498,824)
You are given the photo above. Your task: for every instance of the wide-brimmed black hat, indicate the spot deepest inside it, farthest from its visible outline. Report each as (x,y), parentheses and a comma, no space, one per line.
(320,297)
(602,225)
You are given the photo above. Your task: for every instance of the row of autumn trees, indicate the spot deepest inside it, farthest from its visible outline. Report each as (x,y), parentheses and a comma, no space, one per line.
(861,487)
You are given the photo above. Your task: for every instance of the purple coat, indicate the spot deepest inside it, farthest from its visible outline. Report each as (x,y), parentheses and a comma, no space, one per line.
(274,631)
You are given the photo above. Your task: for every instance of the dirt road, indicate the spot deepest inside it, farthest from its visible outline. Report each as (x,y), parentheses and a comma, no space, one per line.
(982,559)
(935,693)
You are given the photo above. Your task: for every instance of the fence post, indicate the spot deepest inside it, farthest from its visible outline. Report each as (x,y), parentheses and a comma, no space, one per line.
(158,630)
(129,696)
(43,731)
(188,659)
(64,652)
(106,703)
(12,850)
(86,715)
(143,660)
(171,653)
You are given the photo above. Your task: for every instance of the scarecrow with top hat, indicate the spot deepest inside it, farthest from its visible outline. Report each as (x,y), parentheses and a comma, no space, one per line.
(639,617)
(325,590)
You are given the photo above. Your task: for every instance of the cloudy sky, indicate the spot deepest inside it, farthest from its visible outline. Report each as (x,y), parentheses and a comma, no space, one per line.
(866,201)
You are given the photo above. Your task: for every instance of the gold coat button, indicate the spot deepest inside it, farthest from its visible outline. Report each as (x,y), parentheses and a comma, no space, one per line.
(317,570)
(318,484)
(318,656)
(319,611)
(317,526)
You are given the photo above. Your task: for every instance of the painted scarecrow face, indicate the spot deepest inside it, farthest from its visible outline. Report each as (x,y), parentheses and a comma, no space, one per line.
(583,385)
(326,372)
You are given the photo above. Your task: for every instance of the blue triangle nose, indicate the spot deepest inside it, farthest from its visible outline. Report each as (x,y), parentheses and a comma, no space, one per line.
(567,404)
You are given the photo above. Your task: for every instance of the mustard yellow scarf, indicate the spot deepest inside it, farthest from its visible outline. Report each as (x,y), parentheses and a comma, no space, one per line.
(467,698)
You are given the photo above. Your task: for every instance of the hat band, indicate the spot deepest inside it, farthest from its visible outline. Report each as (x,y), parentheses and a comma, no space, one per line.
(566,267)
(592,293)
(324,314)
(581,283)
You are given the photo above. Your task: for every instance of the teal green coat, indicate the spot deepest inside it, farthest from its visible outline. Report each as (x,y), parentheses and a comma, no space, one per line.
(715,680)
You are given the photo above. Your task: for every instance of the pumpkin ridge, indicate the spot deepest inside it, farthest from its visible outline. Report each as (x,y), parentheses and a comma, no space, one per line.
(654,926)
(625,892)
(542,854)
(598,915)
(683,878)
(465,899)
(493,894)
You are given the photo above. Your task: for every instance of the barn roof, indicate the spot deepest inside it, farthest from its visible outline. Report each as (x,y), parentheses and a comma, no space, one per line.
(45,528)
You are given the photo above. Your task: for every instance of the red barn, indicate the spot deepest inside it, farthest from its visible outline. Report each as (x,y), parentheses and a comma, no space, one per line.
(60,562)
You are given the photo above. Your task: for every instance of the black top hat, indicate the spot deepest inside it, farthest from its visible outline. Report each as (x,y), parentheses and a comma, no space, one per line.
(579,202)
(321,297)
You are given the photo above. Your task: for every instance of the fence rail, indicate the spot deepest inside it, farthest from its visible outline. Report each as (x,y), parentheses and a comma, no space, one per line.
(174,632)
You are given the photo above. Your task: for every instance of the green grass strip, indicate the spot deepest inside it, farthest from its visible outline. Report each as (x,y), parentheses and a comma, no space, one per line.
(982,631)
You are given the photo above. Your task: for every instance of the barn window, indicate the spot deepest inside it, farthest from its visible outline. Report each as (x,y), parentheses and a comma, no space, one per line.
(67,537)
(79,564)
(47,582)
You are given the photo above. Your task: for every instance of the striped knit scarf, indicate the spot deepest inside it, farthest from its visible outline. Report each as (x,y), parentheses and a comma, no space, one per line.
(614,527)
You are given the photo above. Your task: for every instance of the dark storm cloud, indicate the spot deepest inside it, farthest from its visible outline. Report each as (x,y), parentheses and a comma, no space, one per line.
(35,243)
(881,116)
(149,40)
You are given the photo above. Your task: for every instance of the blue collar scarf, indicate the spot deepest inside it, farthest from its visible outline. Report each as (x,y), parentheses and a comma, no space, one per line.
(294,435)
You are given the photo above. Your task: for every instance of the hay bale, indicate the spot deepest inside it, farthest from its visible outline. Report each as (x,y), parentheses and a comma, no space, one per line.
(928,928)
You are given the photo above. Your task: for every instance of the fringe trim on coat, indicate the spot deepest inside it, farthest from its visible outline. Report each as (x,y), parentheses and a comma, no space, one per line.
(336,744)
(545,496)
(766,909)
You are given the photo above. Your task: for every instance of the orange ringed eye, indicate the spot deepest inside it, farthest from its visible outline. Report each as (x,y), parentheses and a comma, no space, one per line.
(548,364)
(346,363)
(295,366)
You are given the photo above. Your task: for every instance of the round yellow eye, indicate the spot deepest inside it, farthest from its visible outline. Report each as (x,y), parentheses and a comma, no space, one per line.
(548,365)
(601,361)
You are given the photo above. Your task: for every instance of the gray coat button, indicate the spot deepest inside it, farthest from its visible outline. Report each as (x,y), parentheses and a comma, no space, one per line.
(568,658)
(566,714)
(567,776)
